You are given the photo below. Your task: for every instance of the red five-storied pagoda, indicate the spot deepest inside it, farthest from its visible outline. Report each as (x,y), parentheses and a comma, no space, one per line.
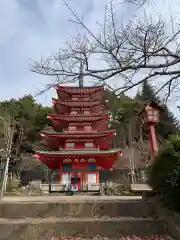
(81,142)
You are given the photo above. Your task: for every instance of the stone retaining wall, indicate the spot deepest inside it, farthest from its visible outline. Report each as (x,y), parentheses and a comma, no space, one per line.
(172,220)
(86,228)
(78,209)
(86,218)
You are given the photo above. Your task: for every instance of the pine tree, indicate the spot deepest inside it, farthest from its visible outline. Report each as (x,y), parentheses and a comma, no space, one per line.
(168,123)
(147,94)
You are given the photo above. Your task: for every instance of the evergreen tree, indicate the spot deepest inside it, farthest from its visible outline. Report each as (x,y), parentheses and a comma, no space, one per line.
(168,123)
(147,94)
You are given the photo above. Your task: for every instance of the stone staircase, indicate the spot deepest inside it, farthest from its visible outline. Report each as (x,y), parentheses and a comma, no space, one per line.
(73,216)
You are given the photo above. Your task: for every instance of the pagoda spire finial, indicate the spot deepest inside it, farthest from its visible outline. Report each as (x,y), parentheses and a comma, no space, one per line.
(81,75)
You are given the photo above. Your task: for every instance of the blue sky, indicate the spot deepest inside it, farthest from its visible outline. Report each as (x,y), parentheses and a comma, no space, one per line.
(31,29)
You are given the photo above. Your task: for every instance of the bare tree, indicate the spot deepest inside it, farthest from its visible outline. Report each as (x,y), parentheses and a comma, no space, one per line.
(6,135)
(5,129)
(120,56)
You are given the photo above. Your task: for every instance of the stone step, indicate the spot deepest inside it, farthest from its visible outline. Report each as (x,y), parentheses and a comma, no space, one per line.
(159,237)
(36,229)
(77,209)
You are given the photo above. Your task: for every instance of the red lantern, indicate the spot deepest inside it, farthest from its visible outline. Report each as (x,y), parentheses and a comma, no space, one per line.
(150,114)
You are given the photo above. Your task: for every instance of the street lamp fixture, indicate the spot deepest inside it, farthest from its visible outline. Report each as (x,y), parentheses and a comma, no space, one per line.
(149,115)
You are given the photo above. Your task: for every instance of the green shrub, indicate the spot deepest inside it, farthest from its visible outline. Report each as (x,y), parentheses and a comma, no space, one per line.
(11,186)
(164,173)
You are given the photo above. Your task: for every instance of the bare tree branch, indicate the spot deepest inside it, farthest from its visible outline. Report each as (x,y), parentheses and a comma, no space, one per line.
(120,55)
(139,3)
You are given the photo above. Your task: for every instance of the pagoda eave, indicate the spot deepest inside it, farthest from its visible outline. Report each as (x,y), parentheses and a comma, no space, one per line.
(76,104)
(79,135)
(77,152)
(105,159)
(71,101)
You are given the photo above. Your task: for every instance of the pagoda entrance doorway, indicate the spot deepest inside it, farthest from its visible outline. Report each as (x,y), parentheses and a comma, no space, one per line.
(91,178)
(76,183)
(66,180)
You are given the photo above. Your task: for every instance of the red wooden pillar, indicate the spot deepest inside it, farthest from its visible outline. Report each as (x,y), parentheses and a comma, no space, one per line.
(60,171)
(153,139)
(97,176)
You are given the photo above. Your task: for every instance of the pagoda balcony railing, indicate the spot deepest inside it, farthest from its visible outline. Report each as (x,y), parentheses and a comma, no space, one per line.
(79,131)
(82,114)
(78,103)
(64,187)
(78,117)
(77,90)
(78,100)
(79,149)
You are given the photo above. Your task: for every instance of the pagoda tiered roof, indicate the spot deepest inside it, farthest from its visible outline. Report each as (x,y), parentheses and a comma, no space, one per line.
(81,115)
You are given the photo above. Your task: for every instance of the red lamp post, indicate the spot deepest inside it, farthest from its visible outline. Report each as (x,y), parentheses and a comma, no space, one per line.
(150,116)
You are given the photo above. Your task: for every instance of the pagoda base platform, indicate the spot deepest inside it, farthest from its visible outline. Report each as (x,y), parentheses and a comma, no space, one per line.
(55,199)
